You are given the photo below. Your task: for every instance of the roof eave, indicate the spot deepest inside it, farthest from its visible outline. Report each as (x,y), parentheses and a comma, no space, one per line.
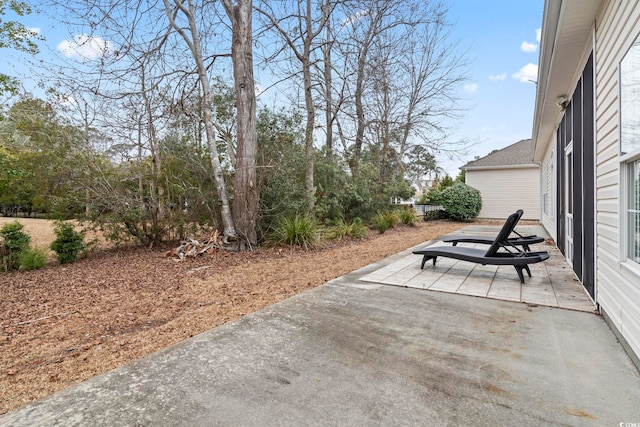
(566,26)
(523,166)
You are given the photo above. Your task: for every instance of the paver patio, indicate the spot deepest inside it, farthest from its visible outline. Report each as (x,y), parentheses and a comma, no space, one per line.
(553,282)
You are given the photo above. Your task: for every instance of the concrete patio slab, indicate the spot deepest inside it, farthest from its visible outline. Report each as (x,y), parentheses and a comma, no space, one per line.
(360,353)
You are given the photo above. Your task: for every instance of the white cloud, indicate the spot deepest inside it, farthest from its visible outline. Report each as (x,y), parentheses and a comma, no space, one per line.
(35,30)
(528,47)
(538,34)
(85,47)
(496,77)
(471,87)
(527,74)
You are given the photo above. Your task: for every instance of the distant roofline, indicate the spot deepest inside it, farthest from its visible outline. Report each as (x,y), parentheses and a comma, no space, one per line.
(517,154)
(519,166)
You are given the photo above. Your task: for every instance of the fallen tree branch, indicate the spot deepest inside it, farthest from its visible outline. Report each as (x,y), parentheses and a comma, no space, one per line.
(193,248)
(39,319)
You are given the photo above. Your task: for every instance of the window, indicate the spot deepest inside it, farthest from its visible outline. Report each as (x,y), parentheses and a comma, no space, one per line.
(633,210)
(630,100)
(630,150)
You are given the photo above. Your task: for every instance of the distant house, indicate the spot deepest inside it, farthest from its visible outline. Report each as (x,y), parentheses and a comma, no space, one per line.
(508,180)
(422,186)
(586,135)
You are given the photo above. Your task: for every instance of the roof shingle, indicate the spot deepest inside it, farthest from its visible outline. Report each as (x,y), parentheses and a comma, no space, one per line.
(520,153)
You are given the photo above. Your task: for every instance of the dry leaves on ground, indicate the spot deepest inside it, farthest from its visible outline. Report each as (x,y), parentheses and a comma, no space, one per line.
(64,324)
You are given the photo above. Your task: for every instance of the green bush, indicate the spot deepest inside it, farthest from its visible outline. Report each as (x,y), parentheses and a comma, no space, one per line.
(434,195)
(297,231)
(340,195)
(68,243)
(392,219)
(461,202)
(15,241)
(383,221)
(408,216)
(434,215)
(32,258)
(342,229)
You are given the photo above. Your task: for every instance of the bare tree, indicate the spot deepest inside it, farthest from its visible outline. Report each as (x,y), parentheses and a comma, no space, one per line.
(245,201)
(371,23)
(434,67)
(403,72)
(328,88)
(191,36)
(299,30)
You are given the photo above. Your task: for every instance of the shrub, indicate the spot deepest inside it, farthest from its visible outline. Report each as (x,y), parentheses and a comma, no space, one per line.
(68,243)
(297,231)
(434,215)
(342,229)
(338,194)
(461,202)
(392,219)
(434,195)
(32,258)
(383,221)
(15,241)
(408,216)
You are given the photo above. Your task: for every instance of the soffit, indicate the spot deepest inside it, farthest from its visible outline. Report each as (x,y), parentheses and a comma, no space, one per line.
(566,31)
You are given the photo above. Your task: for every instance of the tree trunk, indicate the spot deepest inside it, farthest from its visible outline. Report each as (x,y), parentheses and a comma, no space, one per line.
(357,149)
(328,116)
(311,117)
(311,112)
(245,200)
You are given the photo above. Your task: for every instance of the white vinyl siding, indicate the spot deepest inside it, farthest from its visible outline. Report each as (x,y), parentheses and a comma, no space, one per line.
(506,190)
(618,286)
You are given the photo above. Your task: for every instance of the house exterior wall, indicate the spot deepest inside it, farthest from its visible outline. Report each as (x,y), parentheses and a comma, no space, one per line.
(548,195)
(618,285)
(506,190)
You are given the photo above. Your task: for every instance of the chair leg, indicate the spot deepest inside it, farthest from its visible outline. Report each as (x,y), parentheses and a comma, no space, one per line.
(526,267)
(427,258)
(519,269)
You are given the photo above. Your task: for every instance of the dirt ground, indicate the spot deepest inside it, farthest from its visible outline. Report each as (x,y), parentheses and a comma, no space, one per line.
(64,324)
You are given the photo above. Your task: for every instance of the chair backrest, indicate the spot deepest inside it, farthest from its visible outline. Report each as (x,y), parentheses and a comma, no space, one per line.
(504,233)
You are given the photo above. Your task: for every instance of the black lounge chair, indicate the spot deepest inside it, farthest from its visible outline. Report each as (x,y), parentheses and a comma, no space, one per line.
(521,240)
(510,254)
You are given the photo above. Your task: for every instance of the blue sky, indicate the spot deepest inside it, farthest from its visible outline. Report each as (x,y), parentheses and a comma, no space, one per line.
(502,37)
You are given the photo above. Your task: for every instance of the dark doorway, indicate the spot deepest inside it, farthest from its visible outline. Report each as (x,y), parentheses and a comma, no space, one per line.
(575,180)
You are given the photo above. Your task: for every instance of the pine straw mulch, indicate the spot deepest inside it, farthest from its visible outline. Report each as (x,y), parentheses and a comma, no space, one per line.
(64,324)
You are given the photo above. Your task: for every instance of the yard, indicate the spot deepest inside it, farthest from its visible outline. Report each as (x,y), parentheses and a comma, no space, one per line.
(64,324)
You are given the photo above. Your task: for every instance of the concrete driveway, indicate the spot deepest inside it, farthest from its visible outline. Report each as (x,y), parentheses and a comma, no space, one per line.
(354,353)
